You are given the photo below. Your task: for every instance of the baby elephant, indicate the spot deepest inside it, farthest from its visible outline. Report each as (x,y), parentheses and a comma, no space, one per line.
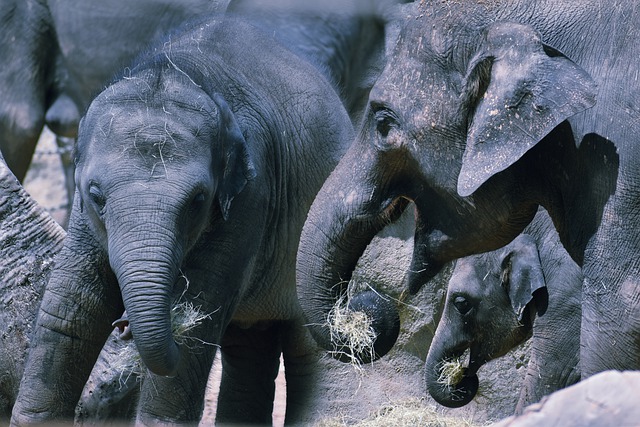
(499,299)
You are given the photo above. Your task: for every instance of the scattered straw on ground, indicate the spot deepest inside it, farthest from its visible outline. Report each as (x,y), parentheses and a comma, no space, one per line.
(407,413)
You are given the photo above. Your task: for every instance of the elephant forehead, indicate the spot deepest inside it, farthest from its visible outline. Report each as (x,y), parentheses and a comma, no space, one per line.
(420,85)
(476,273)
(151,149)
(140,127)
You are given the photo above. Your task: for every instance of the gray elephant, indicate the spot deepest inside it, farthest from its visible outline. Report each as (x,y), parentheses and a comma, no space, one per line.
(485,111)
(344,40)
(497,300)
(194,174)
(608,399)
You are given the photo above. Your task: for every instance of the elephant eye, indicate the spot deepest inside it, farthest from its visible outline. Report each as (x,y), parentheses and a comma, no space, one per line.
(97,197)
(385,119)
(197,202)
(462,304)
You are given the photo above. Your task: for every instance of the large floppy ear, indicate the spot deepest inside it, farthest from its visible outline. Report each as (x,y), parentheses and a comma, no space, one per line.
(237,167)
(518,90)
(522,272)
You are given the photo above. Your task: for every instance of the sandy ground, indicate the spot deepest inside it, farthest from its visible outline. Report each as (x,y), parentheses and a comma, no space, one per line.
(45,183)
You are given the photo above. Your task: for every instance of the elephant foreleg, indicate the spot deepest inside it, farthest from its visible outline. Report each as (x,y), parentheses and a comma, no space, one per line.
(71,327)
(307,392)
(250,363)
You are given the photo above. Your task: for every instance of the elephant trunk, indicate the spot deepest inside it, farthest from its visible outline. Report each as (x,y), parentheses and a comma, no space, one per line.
(449,383)
(341,223)
(147,271)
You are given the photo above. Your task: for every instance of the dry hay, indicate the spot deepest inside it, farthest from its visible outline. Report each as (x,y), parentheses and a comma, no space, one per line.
(184,317)
(412,413)
(451,372)
(350,331)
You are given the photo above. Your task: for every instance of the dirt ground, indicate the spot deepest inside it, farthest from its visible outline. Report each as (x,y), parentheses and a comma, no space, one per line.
(45,183)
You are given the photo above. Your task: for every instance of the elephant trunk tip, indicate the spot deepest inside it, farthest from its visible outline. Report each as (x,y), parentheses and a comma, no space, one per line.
(184,318)
(363,329)
(451,384)
(166,366)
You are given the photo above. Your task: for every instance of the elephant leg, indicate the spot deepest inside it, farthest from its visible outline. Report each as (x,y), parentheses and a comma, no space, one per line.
(610,326)
(79,303)
(179,399)
(250,363)
(20,129)
(301,367)
(65,148)
(26,43)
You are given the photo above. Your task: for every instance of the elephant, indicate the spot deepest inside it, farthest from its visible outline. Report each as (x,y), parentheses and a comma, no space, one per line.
(29,241)
(485,111)
(530,288)
(194,174)
(345,40)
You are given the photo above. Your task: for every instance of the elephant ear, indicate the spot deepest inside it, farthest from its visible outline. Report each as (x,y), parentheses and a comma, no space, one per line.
(518,90)
(522,273)
(237,167)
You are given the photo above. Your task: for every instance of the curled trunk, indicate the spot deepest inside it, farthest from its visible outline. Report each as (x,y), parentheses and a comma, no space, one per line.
(448,382)
(341,223)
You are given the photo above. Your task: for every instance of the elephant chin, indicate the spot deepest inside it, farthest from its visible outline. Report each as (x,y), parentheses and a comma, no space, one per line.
(380,316)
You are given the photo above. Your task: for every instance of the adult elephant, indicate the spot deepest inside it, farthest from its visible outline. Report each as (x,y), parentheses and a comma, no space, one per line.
(479,117)
(194,174)
(344,40)
(495,301)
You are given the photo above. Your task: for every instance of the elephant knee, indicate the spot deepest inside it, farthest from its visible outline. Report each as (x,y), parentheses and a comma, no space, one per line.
(21,120)
(20,127)
(63,117)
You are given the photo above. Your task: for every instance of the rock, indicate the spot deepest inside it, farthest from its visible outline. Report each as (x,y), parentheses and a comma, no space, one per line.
(609,398)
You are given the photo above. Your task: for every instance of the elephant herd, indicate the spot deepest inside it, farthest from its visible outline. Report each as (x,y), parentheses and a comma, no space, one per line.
(238,158)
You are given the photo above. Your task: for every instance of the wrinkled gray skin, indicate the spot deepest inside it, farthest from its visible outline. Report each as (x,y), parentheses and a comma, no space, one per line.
(194,174)
(344,40)
(29,240)
(478,118)
(497,300)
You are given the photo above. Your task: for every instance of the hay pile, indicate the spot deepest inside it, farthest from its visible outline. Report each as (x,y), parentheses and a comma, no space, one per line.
(408,413)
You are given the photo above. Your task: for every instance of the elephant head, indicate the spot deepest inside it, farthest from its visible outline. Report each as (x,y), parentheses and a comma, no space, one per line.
(454,110)
(158,160)
(489,309)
